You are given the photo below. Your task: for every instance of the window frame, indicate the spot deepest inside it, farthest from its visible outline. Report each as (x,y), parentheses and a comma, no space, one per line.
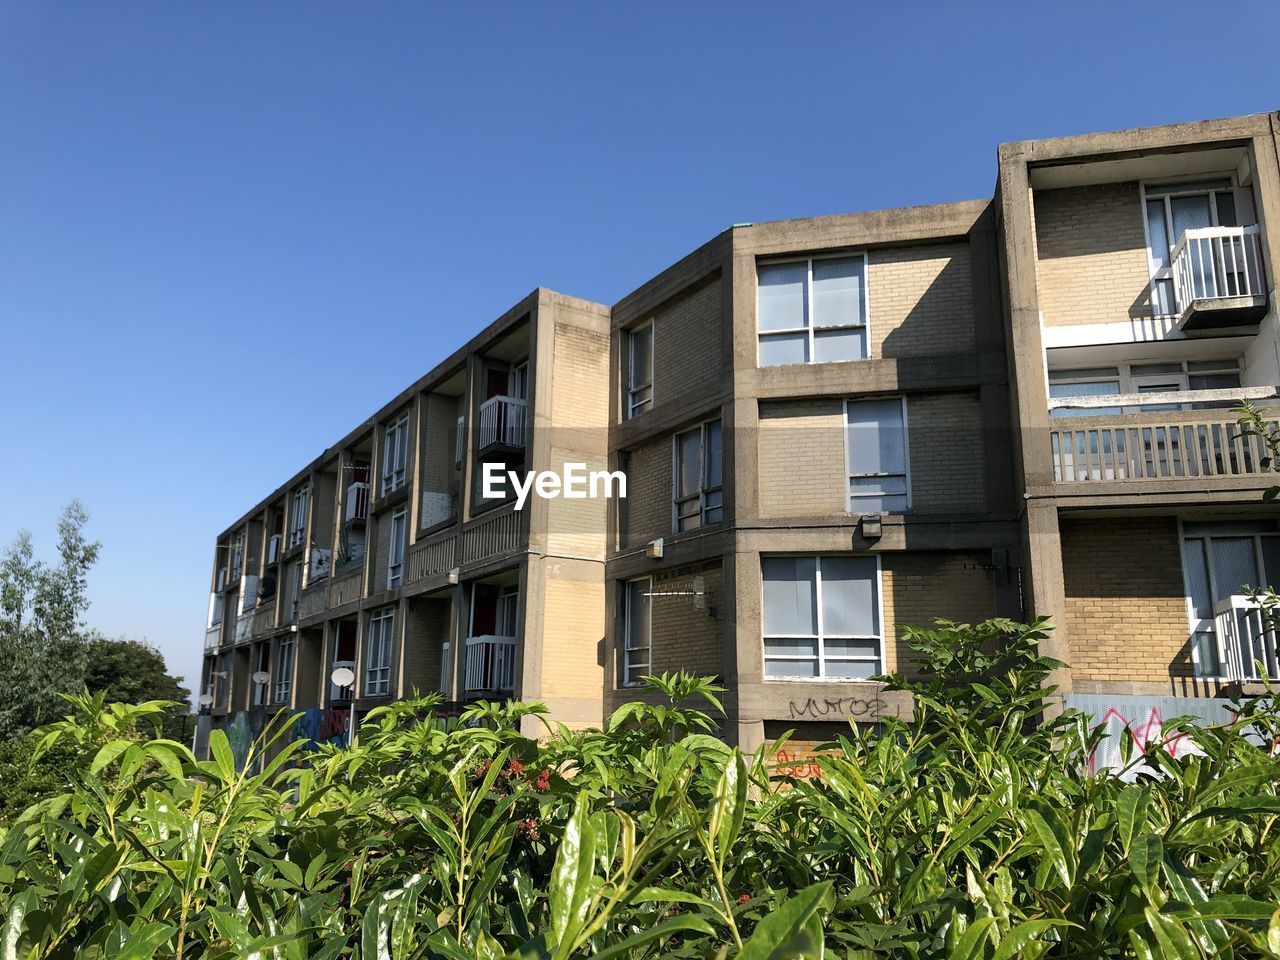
(299,507)
(395,454)
(285,656)
(700,494)
(397,547)
(850,475)
(821,636)
(630,674)
(376,680)
(809,329)
(1128,382)
(1165,192)
(637,405)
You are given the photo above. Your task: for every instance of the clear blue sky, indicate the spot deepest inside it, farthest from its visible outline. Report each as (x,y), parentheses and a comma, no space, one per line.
(230,231)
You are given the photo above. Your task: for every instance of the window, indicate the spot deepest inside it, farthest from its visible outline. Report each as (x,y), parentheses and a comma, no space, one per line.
(876,448)
(298,517)
(639,369)
(377,671)
(459,442)
(237,556)
(284,671)
(395,453)
(264,666)
(293,588)
(1143,377)
(518,381)
(821,617)
(637,626)
(395,559)
(1172,210)
(812,311)
(699,477)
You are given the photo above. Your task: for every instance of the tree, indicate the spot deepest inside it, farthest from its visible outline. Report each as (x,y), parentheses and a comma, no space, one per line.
(44,640)
(129,671)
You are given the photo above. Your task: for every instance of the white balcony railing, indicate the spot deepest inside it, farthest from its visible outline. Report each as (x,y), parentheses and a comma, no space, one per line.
(491,664)
(341,693)
(213,637)
(1247,648)
(244,627)
(501,422)
(1217,263)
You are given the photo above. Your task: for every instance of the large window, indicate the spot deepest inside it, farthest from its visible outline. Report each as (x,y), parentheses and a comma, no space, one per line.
(1147,376)
(1172,210)
(699,477)
(876,448)
(264,666)
(395,555)
(298,516)
(821,617)
(639,369)
(395,453)
(377,671)
(237,556)
(637,627)
(284,671)
(812,311)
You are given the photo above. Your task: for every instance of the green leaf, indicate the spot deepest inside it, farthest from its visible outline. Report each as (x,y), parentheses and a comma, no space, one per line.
(18,909)
(781,934)
(1145,857)
(972,941)
(1131,813)
(1020,937)
(109,752)
(571,877)
(728,805)
(1174,941)
(1055,849)
(649,934)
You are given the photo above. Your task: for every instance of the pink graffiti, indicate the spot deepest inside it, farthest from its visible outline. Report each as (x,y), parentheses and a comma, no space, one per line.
(1144,735)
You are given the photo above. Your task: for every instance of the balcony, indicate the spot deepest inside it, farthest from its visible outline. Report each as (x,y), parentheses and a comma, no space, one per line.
(1218,279)
(356,507)
(1247,648)
(244,627)
(1168,444)
(501,424)
(213,637)
(491,664)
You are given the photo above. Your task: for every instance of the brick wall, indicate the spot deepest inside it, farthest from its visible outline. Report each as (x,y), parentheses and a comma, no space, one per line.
(1126,611)
(810,433)
(438,475)
(572,632)
(646,512)
(686,344)
(922,587)
(684,637)
(426,630)
(1091,254)
(945,433)
(920,300)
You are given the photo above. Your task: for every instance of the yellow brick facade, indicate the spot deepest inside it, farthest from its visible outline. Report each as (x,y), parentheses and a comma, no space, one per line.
(572,633)
(920,300)
(1126,608)
(946,450)
(683,636)
(1091,254)
(687,344)
(920,588)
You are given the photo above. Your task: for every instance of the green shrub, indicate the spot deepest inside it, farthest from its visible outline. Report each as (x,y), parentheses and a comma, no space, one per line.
(971,830)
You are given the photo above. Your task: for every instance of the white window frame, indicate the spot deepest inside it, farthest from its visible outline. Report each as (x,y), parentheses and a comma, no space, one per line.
(1129,382)
(639,392)
(298,508)
(518,381)
(1194,624)
(850,475)
(395,454)
(377,671)
(821,635)
(808,327)
(396,547)
(1166,191)
(700,495)
(631,674)
(286,649)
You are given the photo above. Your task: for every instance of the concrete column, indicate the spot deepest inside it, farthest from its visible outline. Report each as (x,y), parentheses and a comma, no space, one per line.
(1044,583)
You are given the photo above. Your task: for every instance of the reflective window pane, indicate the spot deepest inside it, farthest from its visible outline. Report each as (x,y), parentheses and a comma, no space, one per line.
(781,295)
(790,595)
(849,605)
(784,348)
(837,292)
(831,346)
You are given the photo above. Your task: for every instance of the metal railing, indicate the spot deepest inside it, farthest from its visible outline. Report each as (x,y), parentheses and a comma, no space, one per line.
(1247,648)
(501,422)
(1157,445)
(1215,263)
(356,507)
(491,664)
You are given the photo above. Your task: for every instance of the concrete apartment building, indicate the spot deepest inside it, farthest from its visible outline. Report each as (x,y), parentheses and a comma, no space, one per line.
(829,428)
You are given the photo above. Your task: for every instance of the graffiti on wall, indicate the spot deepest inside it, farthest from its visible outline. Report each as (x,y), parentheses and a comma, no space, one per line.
(243,729)
(1146,719)
(833,708)
(320,725)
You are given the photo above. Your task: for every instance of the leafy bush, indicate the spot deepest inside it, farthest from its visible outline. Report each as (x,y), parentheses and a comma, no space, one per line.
(970,830)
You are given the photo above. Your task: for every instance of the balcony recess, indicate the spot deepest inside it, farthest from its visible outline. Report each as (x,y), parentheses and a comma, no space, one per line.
(1218,279)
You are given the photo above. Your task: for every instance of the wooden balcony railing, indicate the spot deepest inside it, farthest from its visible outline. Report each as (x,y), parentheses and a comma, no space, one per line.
(431,556)
(345,589)
(314,600)
(491,535)
(264,618)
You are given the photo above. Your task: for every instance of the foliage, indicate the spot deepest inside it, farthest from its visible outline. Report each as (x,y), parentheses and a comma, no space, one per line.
(128,671)
(43,637)
(970,830)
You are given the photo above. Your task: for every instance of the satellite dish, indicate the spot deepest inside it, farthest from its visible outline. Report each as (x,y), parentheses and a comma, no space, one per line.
(261,677)
(206,699)
(343,677)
